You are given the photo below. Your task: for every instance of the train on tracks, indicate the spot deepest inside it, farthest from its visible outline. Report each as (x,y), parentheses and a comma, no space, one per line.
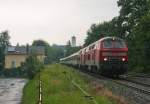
(108,56)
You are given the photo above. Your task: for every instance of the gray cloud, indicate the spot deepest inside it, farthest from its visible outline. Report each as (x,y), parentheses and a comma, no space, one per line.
(53,20)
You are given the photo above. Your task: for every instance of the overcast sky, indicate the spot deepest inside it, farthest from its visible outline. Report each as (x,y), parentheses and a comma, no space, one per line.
(53,20)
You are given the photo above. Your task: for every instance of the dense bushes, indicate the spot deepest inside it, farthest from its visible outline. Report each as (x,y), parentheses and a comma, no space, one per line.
(32,66)
(141,46)
(14,72)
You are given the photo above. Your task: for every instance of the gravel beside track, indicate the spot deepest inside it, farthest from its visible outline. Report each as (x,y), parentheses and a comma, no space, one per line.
(121,88)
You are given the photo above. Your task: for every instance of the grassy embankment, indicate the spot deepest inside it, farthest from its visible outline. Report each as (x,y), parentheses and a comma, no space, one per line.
(57,89)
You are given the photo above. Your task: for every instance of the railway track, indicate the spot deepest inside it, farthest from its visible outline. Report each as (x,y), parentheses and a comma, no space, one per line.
(138,80)
(140,87)
(134,85)
(137,75)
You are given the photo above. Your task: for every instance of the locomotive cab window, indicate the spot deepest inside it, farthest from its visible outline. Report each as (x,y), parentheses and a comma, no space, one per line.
(119,44)
(110,43)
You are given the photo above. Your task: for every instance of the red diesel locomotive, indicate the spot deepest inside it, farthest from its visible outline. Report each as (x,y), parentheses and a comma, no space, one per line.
(107,56)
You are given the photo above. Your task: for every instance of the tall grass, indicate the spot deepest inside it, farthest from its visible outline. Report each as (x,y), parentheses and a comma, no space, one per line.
(58,89)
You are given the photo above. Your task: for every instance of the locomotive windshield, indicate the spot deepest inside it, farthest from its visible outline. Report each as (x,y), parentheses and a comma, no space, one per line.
(108,44)
(117,43)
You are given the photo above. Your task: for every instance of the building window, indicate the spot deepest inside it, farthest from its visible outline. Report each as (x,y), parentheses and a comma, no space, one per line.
(13,64)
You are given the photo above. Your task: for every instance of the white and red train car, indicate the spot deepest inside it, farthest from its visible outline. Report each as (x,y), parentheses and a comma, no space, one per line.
(107,56)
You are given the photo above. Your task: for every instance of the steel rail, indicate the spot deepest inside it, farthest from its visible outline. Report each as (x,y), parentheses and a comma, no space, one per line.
(136,82)
(133,86)
(120,82)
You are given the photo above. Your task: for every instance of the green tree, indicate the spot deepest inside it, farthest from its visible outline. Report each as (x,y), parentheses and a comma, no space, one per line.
(40,43)
(142,44)
(70,50)
(98,31)
(4,42)
(69,43)
(44,44)
(55,52)
(130,14)
(32,66)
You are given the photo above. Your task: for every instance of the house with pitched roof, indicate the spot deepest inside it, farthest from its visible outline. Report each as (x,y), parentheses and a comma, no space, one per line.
(15,56)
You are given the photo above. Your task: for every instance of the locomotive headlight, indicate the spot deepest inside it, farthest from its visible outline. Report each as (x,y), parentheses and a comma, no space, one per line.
(105,59)
(123,59)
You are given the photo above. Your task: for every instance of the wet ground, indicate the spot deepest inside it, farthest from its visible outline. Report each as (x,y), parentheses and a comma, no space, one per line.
(11,90)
